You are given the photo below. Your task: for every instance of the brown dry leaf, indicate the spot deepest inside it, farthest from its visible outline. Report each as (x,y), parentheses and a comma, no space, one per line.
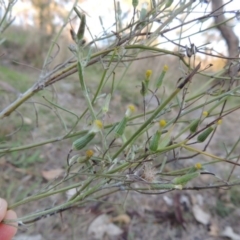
(52,174)
(178,211)
(102,226)
(122,218)
(200,215)
(214,230)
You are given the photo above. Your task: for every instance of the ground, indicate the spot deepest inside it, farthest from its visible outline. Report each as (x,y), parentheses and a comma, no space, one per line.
(173,215)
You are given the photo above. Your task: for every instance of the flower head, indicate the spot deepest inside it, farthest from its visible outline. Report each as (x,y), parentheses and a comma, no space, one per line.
(165,68)
(97,126)
(130,110)
(198,166)
(205,113)
(89,153)
(162,123)
(219,122)
(148,74)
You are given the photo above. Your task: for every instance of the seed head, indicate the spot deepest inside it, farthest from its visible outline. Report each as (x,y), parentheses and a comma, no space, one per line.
(149,173)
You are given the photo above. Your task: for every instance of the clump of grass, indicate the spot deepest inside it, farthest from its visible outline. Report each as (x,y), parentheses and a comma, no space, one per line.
(235,196)
(222,210)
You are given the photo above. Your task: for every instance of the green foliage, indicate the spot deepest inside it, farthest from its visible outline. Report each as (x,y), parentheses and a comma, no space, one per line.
(235,196)
(100,93)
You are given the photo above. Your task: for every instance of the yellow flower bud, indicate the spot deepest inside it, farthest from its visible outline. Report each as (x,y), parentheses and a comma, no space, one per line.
(205,113)
(162,123)
(130,110)
(165,68)
(148,74)
(219,122)
(97,126)
(89,153)
(198,166)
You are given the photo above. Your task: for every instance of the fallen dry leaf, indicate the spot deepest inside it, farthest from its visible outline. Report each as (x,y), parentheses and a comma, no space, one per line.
(228,232)
(52,174)
(102,226)
(71,192)
(200,215)
(27,120)
(28,237)
(178,211)
(168,200)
